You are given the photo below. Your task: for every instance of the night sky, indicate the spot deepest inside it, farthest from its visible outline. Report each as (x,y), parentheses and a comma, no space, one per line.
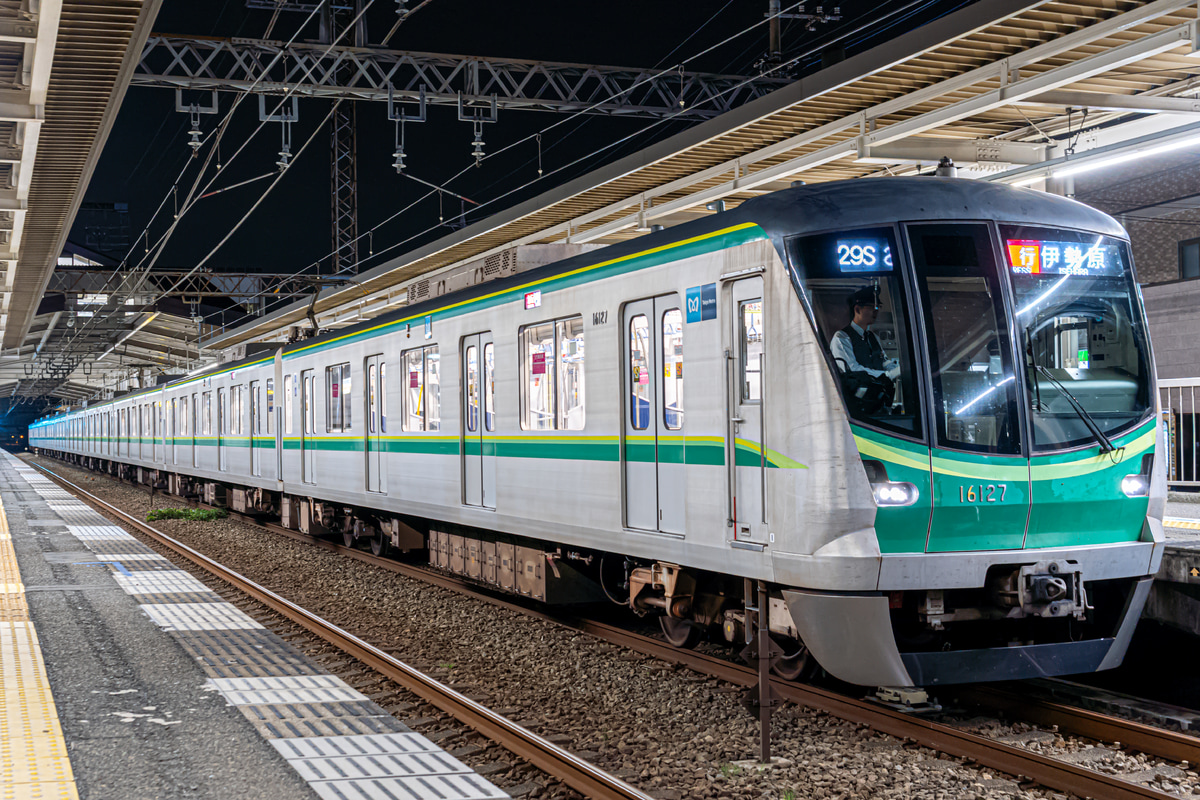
(291,229)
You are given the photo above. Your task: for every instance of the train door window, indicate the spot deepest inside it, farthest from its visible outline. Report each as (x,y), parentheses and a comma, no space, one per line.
(383,397)
(552,375)
(288,393)
(422,395)
(255,403)
(672,360)
(310,411)
(639,369)
(207,412)
(974,389)
(489,387)
(471,357)
(750,315)
(270,406)
(372,399)
(857,297)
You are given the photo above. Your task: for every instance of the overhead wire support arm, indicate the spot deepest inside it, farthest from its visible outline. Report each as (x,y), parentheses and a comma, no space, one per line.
(311,70)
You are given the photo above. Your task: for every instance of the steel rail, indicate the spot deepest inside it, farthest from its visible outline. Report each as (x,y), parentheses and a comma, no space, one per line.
(991,753)
(1144,738)
(575,772)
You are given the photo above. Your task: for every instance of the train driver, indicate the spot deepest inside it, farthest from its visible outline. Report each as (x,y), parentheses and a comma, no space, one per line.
(868,375)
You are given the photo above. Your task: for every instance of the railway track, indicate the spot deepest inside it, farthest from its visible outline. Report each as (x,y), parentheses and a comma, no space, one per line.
(593,782)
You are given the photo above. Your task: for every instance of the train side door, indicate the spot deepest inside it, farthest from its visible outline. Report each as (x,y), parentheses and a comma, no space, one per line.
(192,423)
(222,427)
(255,428)
(172,431)
(307,428)
(160,433)
(654,446)
(479,421)
(376,428)
(745,440)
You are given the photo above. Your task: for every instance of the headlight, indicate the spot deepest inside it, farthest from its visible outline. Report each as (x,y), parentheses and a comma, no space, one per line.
(1135,485)
(895,494)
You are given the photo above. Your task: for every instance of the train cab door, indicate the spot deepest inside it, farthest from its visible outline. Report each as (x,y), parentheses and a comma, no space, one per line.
(307,428)
(654,443)
(376,428)
(255,428)
(745,438)
(479,421)
(980,481)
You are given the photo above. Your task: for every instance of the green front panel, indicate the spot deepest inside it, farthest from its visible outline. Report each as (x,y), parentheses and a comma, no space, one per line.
(979,502)
(1077,497)
(900,529)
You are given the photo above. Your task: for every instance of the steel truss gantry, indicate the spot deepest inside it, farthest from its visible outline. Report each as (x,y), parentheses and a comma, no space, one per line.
(365,73)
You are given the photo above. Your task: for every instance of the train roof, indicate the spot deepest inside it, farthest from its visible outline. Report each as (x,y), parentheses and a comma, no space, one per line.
(844,204)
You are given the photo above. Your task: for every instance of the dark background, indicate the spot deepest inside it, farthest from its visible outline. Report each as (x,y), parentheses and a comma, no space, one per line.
(291,229)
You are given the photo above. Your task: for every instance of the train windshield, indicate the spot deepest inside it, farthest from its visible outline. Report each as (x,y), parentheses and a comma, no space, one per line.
(1078,320)
(854,286)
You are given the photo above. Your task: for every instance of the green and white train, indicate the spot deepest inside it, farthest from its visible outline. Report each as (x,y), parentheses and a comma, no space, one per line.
(961,488)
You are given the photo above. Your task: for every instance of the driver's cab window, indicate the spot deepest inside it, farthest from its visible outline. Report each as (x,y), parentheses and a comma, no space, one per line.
(854,287)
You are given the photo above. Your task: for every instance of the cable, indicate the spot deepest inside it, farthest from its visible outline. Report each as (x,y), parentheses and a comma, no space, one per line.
(567,119)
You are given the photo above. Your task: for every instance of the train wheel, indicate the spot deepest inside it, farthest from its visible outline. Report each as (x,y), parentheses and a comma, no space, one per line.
(380,542)
(680,633)
(796,663)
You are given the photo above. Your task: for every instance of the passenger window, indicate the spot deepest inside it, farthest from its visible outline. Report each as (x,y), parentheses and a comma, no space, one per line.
(672,359)
(207,400)
(974,389)
(639,372)
(750,314)
(854,287)
(552,375)
(489,388)
(270,406)
(337,398)
(422,395)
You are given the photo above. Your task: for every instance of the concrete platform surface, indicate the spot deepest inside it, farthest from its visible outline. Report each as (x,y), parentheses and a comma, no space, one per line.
(159,688)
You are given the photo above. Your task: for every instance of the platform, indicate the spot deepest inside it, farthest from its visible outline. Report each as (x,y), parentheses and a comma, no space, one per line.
(125,677)
(1175,598)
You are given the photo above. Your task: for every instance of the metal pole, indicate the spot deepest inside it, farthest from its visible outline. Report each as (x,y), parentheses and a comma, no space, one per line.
(764,675)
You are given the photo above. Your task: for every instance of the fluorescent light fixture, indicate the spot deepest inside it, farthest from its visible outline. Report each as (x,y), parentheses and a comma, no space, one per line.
(1100,163)
(121,341)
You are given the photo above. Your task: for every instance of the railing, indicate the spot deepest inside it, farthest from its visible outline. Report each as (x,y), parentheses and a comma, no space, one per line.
(1179,416)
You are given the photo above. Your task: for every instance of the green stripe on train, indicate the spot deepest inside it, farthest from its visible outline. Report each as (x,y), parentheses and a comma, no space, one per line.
(695,450)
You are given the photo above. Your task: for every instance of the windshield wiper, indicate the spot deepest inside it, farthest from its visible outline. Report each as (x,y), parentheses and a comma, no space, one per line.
(1106,446)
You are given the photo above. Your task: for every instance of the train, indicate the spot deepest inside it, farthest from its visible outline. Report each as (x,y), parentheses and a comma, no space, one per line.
(920,411)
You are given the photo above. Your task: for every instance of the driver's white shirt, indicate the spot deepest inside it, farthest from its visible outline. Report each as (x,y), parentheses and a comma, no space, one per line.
(842,348)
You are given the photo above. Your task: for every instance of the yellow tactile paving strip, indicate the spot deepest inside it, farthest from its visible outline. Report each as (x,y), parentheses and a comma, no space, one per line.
(33,754)
(1182,522)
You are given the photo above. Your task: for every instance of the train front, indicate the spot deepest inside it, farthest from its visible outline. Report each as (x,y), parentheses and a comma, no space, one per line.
(997,376)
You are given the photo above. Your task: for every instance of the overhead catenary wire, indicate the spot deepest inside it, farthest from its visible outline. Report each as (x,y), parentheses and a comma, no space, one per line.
(160,244)
(579,113)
